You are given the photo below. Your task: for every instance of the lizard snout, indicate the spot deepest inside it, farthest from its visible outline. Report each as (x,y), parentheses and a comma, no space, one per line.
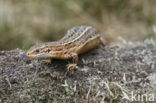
(27,54)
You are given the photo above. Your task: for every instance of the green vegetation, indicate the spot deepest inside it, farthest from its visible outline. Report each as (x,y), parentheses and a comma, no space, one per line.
(26,22)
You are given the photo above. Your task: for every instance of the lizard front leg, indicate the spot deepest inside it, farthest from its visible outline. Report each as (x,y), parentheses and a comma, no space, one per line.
(50,60)
(74,57)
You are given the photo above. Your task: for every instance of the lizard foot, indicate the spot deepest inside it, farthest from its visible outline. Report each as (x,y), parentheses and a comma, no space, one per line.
(70,67)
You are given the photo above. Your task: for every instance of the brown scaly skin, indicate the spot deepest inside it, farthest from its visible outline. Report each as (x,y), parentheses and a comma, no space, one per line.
(77,40)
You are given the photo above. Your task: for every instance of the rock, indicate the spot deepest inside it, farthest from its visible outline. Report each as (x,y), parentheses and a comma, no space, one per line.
(104,74)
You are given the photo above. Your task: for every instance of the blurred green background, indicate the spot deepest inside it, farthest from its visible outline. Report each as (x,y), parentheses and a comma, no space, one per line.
(26,22)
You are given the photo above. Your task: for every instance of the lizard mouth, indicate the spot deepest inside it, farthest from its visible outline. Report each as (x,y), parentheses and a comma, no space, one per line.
(35,56)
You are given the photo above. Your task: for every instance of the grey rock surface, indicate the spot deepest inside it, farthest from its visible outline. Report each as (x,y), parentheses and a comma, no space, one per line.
(104,75)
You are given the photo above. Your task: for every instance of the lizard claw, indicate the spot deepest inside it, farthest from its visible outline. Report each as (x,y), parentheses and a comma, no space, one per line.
(70,67)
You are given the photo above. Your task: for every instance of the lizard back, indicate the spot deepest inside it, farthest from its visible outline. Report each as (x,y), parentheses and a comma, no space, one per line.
(78,39)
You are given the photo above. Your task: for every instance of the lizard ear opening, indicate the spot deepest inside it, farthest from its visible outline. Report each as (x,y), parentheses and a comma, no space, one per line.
(49,50)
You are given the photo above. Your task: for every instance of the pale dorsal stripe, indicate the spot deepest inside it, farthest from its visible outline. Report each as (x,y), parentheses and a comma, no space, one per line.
(86,29)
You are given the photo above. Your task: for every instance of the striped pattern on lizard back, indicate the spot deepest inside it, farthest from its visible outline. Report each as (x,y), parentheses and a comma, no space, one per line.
(77,36)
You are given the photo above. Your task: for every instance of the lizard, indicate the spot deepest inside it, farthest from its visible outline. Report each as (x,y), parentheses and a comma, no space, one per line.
(77,40)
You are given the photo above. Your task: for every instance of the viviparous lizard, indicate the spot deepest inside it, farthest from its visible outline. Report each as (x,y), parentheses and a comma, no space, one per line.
(77,40)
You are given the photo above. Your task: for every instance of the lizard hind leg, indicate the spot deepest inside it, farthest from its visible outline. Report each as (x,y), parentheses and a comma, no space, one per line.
(102,41)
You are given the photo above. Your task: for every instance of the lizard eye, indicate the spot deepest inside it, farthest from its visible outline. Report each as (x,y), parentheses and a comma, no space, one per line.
(37,51)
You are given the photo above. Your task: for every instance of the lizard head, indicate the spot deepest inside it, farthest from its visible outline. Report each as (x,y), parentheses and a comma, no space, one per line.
(39,52)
